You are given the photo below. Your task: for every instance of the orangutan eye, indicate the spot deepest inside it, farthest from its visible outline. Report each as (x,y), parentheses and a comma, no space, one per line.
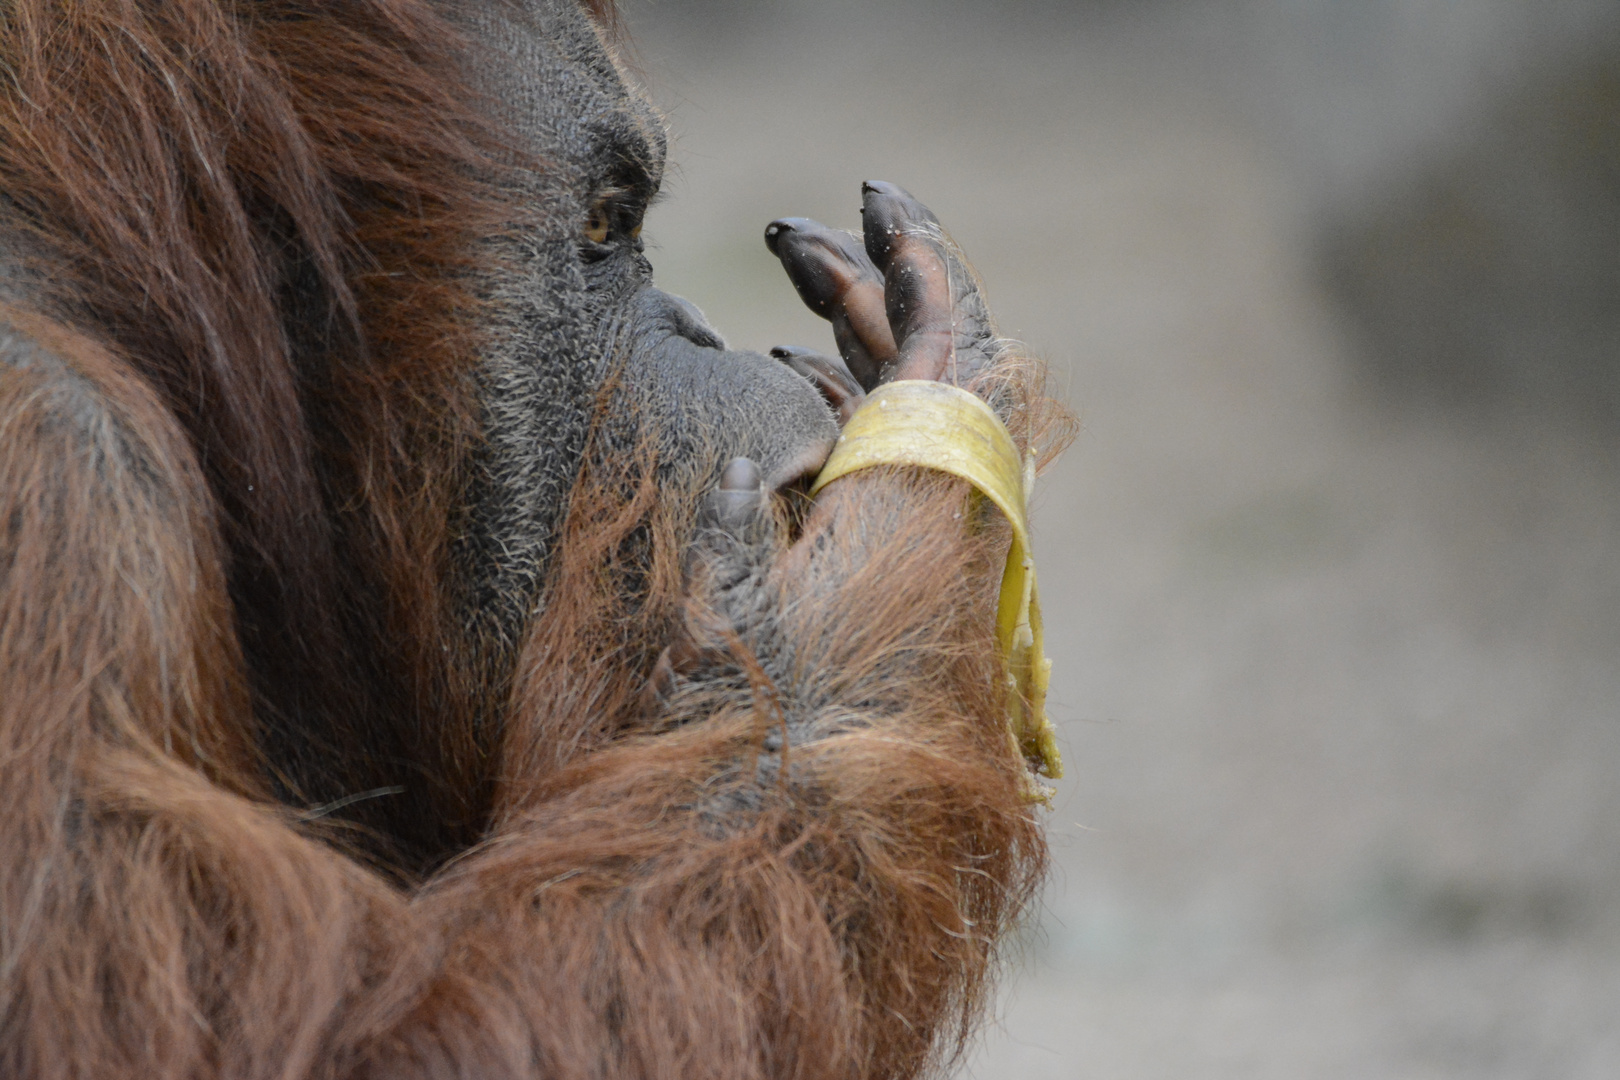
(614,218)
(599,223)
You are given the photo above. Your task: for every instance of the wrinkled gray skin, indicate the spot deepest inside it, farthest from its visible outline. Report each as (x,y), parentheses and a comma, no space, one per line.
(572,310)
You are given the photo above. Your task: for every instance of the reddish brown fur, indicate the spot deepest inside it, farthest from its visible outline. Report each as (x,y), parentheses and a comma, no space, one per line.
(301,202)
(641,905)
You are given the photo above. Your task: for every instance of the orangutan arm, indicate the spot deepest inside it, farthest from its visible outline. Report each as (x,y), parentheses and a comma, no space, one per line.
(803,872)
(799,859)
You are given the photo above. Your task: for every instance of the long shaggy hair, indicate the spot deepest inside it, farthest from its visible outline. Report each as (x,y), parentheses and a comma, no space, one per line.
(268,211)
(243,320)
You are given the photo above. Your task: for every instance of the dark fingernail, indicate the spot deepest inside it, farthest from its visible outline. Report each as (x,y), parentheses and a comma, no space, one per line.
(774,231)
(902,202)
(883,187)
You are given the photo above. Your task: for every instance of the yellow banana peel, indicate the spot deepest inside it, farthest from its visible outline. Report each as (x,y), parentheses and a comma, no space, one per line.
(938,426)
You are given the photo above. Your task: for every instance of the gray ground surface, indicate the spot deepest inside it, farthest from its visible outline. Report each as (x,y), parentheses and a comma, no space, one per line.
(1335,662)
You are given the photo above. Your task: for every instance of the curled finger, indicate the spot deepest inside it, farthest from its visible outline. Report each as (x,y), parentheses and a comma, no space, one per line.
(932,299)
(836,279)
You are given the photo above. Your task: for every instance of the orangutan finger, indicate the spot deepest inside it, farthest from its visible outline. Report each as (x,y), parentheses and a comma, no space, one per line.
(931,298)
(730,519)
(904,239)
(835,278)
(827,374)
(736,501)
(888,214)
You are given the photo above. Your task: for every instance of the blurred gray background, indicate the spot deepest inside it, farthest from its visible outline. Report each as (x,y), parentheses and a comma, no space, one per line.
(1333,571)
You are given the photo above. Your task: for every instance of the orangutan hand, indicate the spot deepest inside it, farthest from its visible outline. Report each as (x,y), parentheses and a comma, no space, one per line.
(902,301)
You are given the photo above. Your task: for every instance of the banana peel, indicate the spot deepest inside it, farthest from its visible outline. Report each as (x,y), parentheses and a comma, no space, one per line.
(938,426)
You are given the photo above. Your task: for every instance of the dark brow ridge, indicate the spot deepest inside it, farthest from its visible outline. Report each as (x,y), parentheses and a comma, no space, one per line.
(633,162)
